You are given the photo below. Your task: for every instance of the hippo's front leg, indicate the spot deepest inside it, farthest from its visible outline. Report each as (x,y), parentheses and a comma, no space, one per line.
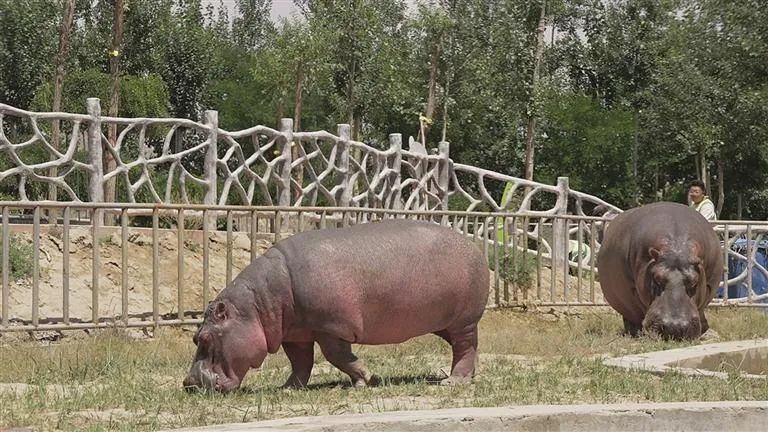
(339,353)
(301,356)
(631,328)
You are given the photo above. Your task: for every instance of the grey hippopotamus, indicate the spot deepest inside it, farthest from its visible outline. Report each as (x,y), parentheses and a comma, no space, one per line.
(659,267)
(373,283)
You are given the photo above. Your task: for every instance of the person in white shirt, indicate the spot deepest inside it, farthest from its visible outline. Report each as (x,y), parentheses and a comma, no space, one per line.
(699,201)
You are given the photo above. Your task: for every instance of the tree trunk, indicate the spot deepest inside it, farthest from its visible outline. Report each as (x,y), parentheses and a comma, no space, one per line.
(720,186)
(431,92)
(530,130)
(58,85)
(703,175)
(299,99)
(114,103)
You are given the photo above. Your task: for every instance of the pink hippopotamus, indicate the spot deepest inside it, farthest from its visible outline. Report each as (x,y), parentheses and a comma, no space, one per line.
(373,283)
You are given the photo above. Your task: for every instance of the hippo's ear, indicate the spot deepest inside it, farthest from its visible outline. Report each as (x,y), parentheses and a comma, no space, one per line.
(654,253)
(220,312)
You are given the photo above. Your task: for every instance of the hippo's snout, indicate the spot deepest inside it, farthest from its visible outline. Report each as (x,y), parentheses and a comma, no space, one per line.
(676,328)
(200,378)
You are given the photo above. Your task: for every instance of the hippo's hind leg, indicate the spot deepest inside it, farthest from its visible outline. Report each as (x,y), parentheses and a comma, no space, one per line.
(464,346)
(302,356)
(339,353)
(631,328)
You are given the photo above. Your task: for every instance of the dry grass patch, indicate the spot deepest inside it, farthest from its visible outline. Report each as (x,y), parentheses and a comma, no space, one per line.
(115,382)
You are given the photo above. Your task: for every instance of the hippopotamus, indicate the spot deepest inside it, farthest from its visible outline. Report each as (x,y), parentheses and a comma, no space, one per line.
(659,267)
(372,283)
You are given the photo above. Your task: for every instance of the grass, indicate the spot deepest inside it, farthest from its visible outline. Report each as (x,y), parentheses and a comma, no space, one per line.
(19,257)
(114,382)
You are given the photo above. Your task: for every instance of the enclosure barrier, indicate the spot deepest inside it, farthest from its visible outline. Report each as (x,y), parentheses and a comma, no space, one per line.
(93,276)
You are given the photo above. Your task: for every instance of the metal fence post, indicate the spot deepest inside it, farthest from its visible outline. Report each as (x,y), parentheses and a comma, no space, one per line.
(395,195)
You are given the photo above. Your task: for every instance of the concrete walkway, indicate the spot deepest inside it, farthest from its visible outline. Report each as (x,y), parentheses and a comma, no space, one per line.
(676,416)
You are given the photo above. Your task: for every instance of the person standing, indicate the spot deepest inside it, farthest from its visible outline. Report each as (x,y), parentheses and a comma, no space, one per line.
(699,201)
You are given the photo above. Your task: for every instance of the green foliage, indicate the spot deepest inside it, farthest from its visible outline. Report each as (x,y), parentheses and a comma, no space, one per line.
(19,257)
(588,144)
(28,30)
(140,96)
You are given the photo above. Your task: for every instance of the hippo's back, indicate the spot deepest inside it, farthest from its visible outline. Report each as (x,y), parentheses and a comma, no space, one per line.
(385,282)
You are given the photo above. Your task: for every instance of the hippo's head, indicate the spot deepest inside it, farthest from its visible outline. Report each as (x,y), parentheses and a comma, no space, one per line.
(674,286)
(229,343)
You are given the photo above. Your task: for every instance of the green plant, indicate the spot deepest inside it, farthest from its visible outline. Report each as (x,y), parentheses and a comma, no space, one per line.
(19,257)
(516,268)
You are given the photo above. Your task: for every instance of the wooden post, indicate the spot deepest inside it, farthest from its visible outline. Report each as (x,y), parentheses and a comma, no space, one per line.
(559,230)
(286,128)
(395,195)
(211,120)
(343,131)
(95,151)
(443,177)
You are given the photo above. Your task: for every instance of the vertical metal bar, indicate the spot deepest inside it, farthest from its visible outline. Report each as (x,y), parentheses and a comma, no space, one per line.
(6,267)
(278,225)
(96,263)
(580,239)
(254,230)
(496,276)
(750,263)
(300,222)
(475,229)
(566,259)
(229,246)
(505,256)
(155,269)
(485,240)
(206,259)
(323,215)
(553,255)
(538,259)
(65,266)
(124,262)
(36,266)
(180,263)
(511,229)
(726,236)
(592,260)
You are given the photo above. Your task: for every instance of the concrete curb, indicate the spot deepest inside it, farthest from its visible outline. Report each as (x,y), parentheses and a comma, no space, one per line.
(675,416)
(661,362)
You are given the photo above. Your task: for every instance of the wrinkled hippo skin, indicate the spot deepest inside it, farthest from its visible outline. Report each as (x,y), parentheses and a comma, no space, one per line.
(659,267)
(374,283)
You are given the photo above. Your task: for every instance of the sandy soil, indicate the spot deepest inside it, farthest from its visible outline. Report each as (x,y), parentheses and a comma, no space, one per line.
(140,274)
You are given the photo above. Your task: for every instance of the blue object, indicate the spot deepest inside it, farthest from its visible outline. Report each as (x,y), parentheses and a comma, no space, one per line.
(736,266)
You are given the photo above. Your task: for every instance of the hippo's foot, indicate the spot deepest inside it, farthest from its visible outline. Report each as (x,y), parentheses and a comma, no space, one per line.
(339,354)
(456,380)
(631,328)
(464,347)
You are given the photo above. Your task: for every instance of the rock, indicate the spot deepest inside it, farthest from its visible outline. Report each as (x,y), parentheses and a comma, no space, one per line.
(140,239)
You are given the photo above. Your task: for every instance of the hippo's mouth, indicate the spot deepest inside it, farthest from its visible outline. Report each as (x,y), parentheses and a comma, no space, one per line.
(670,330)
(202,379)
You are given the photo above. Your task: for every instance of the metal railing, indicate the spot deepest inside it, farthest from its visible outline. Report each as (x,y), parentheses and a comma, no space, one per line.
(93,276)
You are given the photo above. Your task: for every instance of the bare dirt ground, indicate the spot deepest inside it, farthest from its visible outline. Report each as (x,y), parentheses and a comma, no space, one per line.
(140,273)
